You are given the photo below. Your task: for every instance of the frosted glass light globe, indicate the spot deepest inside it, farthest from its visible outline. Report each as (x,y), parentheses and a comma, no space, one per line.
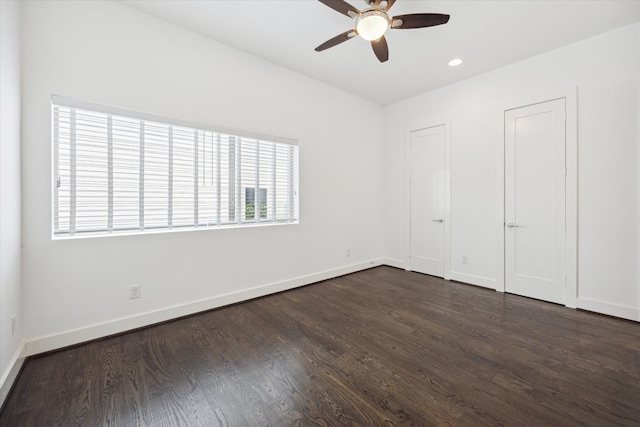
(372,25)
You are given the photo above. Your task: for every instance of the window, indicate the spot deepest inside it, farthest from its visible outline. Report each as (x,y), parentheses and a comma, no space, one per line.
(122,171)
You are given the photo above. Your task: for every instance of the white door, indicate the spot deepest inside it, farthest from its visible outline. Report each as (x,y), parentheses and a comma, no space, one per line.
(535,201)
(427,200)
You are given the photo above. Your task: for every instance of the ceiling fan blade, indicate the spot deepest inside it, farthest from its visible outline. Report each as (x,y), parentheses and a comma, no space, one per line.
(342,7)
(418,20)
(381,49)
(336,40)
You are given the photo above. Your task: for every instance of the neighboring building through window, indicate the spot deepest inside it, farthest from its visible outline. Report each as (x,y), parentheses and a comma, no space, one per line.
(122,171)
(251,205)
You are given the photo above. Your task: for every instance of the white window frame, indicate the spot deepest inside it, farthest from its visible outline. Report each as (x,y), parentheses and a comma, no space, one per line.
(85,184)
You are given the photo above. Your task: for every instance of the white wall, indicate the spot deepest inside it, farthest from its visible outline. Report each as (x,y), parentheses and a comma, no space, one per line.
(10,205)
(606,70)
(107,53)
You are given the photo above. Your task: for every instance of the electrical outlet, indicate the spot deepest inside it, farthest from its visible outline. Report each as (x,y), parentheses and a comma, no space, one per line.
(14,324)
(465,259)
(134,291)
(348,253)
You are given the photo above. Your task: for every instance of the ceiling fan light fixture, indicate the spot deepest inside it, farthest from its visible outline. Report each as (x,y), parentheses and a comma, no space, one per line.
(372,25)
(373,22)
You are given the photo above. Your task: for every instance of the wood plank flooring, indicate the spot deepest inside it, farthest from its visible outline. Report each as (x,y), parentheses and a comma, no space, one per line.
(382,347)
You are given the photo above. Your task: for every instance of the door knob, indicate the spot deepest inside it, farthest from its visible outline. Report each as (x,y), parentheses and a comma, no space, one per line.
(438,220)
(512,225)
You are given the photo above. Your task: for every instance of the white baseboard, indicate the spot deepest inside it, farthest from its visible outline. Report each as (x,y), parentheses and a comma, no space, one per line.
(622,311)
(11,373)
(88,333)
(485,282)
(397,263)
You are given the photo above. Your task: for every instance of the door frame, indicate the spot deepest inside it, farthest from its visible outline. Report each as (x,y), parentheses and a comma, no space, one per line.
(570,96)
(447,123)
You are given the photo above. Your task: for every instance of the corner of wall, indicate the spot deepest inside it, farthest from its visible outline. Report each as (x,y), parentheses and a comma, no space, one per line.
(11,330)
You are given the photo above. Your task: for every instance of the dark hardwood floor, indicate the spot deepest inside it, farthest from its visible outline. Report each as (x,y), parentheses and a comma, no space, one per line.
(381,347)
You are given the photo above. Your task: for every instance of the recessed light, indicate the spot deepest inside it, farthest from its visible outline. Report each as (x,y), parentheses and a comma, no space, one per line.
(455,62)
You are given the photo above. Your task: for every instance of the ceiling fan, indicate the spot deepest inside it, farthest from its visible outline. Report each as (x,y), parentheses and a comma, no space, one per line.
(373,22)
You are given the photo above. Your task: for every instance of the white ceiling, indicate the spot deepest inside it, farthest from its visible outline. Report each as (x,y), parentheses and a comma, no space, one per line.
(486,34)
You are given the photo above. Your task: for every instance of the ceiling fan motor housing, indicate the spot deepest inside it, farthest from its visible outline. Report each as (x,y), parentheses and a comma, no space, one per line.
(371,3)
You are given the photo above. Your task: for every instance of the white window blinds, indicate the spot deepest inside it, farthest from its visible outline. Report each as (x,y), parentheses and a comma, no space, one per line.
(121,171)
